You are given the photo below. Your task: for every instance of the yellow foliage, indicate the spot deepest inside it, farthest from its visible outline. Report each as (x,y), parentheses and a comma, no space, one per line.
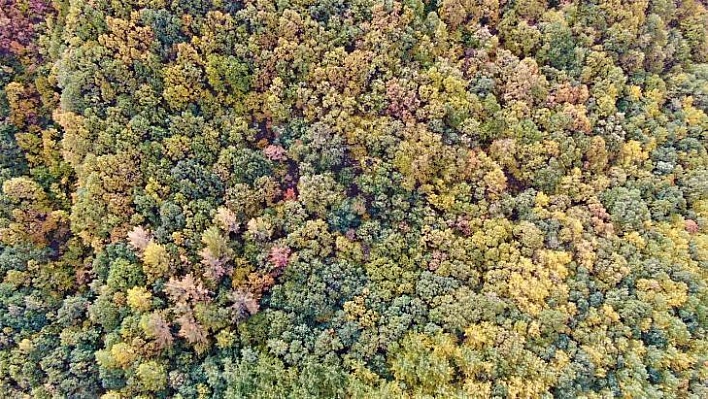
(700,247)
(542,199)
(694,116)
(495,181)
(632,152)
(635,92)
(138,299)
(636,239)
(77,139)
(477,390)
(156,261)
(225,339)
(480,335)
(123,354)
(25,345)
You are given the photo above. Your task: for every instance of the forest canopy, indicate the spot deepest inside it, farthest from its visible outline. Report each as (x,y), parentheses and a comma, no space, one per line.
(353,199)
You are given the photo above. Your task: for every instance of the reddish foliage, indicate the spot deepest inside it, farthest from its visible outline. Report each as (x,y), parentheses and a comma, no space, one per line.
(159,330)
(245,304)
(192,331)
(227,219)
(185,289)
(139,238)
(216,268)
(403,101)
(279,256)
(692,226)
(290,194)
(258,283)
(275,152)
(18,20)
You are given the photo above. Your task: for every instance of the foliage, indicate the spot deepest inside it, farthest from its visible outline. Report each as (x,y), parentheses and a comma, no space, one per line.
(353,199)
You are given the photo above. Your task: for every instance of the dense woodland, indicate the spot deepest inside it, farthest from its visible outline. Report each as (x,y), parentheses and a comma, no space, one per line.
(353,199)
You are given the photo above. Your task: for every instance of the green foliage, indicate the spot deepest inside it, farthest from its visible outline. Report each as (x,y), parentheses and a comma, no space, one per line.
(626,207)
(152,376)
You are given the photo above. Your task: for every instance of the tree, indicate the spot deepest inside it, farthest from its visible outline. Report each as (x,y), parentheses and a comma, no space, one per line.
(152,376)
(156,261)
(157,328)
(626,207)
